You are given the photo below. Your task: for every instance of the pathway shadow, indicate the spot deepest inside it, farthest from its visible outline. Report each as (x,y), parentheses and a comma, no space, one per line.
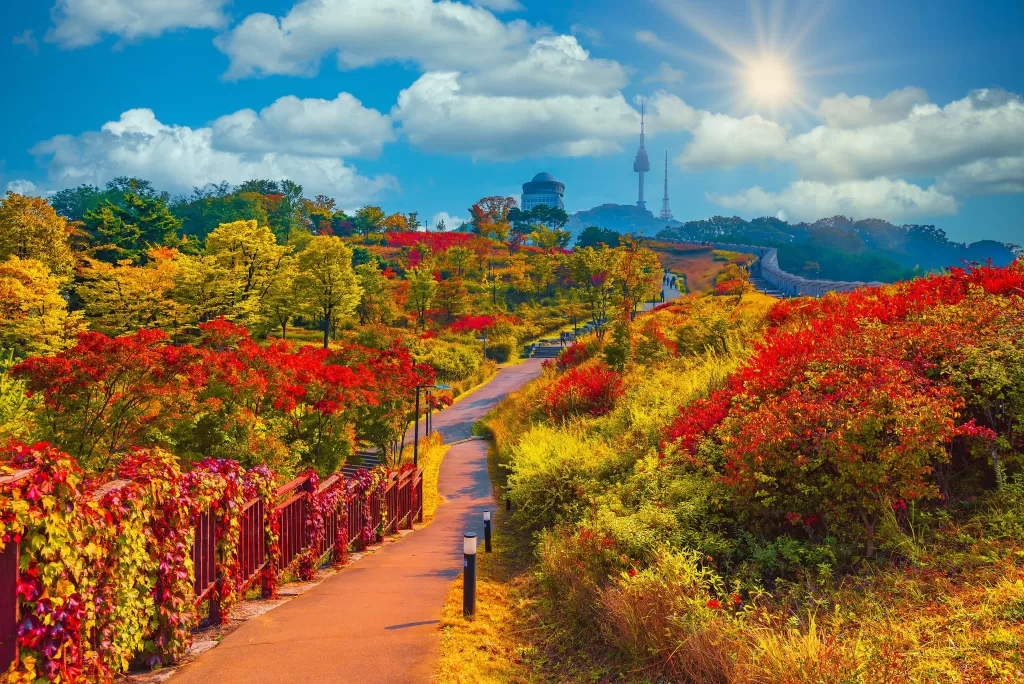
(413,624)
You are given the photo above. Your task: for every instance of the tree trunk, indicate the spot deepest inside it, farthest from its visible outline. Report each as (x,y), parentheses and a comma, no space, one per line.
(996,466)
(327,331)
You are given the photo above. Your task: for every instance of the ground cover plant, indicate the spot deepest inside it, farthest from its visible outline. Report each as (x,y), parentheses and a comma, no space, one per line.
(815,490)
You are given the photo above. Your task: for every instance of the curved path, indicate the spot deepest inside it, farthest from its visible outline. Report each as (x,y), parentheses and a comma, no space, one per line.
(375,621)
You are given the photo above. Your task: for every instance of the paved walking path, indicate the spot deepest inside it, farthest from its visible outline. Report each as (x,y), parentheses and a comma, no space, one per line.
(375,621)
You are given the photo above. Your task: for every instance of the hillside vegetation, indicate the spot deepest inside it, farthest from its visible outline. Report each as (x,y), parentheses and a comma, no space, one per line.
(823,490)
(839,248)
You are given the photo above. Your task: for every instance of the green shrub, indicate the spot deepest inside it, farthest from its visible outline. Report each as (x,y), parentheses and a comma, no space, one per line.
(502,349)
(551,471)
(453,362)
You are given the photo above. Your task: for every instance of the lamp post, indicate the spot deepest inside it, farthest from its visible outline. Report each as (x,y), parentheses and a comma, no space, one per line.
(416,421)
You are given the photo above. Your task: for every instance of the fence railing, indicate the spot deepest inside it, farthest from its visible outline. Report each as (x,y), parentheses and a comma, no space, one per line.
(395,507)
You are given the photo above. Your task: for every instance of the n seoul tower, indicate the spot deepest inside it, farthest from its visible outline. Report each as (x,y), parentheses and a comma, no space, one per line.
(641,164)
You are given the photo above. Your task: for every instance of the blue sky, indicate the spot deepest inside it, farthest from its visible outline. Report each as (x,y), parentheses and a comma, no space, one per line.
(909,111)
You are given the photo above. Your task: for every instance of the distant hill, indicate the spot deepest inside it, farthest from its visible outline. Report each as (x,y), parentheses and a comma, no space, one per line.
(836,248)
(622,218)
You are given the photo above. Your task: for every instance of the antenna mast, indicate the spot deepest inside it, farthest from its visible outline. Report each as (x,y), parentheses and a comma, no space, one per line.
(666,213)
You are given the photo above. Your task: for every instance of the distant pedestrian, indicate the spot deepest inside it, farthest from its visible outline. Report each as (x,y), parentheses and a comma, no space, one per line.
(663,296)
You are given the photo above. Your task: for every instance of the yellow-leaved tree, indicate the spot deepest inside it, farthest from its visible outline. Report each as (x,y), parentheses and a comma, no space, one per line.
(34,317)
(31,229)
(327,282)
(122,298)
(248,258)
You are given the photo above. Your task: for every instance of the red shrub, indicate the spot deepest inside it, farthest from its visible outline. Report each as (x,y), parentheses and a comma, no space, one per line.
(587,390)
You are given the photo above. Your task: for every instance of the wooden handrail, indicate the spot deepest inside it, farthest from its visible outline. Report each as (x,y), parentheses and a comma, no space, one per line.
(16,476)
(284,489)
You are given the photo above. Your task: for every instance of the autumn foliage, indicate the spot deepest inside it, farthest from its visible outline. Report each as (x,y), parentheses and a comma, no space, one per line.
(584,390)
(855,403)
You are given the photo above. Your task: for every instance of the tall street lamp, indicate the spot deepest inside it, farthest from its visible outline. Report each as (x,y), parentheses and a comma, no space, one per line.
(416,423)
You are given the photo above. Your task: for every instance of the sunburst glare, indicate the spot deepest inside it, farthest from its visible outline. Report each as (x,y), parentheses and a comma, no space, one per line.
(763,65)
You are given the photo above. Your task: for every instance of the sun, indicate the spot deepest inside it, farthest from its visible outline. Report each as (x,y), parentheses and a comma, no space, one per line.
(768,81)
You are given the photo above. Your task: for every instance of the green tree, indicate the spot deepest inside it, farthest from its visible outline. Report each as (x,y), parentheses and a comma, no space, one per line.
(592,236)
(327,282)
(422,288)
(283,298)
(378,302)
(369,219)
(128,229)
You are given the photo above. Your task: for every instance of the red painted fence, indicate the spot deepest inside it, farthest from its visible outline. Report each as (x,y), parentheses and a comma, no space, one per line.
(398,506)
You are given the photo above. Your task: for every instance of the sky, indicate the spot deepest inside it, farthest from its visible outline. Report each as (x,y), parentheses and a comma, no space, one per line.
(909,111)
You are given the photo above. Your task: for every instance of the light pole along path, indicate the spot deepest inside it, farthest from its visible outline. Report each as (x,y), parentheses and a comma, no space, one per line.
(375,621)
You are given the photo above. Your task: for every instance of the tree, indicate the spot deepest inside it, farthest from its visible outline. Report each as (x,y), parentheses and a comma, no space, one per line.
(422,288)
(123,298)
(440,226)
(128,229)
(31,229)
(283,298)
(248,255)
(200,286)
(636,272)
(550,239)
(490,217)
(34,317)
(459,260)
(318,214)
(327,281)
(591,269)
(377,304)
(453,297)
(369,219)
(592,236)
(396,223)
(74,203)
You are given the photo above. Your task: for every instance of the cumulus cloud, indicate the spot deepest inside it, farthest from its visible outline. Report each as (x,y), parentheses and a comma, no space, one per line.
(78,23)
(450,222)
(436,35)
(843,111)
(1001,176)
(666,74)
(555,64)
(892,199)
(500,5)
(722,140)
(339,127)
(927,142)
(438,116)
(23,187)
(179,158)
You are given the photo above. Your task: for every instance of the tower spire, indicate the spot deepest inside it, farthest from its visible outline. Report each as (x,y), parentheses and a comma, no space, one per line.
(666,213)
(641,164)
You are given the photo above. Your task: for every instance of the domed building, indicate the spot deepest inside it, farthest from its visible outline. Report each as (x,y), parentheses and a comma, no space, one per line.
(543,189)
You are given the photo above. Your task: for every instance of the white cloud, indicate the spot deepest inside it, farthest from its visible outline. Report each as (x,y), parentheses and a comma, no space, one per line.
(23,187)
(592,34)
(438,116)
(339,127)
(78,23)
(437,35)
(722,140)
(892,199)
(500,5)
(555,64)
(1004,175)
(927,142)
(843,111)
(178,158)
(28,40)
(666,74)
(450,222)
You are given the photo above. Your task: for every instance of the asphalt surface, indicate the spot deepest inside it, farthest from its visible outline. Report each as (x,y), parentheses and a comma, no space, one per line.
(375,621)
